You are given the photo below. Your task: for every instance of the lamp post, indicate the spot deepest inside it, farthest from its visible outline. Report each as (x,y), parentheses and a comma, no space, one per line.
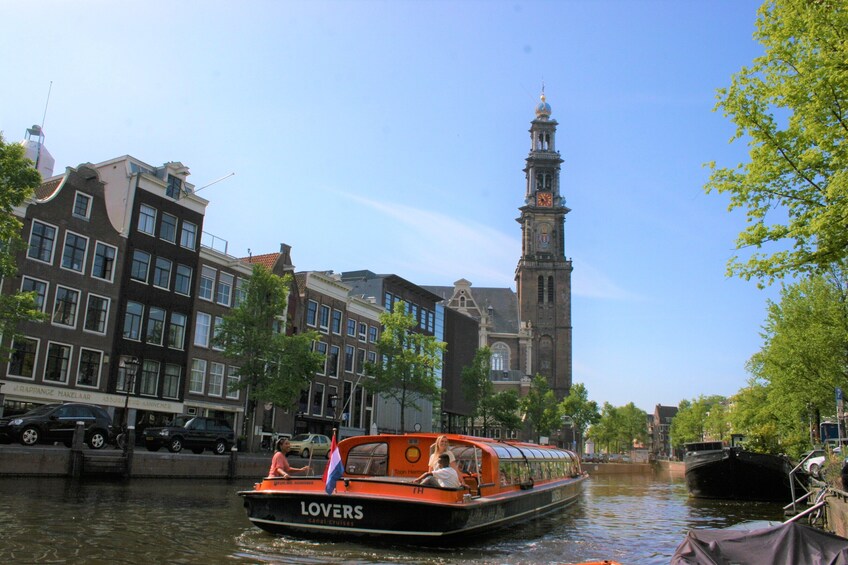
(569,421)
(332,402)
(130,368)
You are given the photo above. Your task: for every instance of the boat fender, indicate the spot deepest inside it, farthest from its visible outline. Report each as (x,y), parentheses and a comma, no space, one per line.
(526,485)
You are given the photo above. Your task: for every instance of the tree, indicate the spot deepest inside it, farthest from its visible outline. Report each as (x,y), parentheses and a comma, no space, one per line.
(692,422)
(504,407)
(604,431)
(540,408)
(752,415)
(633,423)
(407,362)
(273,366)
(804,357)
(478,388)
(582,412)
(792,107)
(18,180)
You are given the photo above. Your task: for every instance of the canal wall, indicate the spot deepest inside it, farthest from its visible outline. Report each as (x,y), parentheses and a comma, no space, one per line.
(672,468)
(19,461)
(59,462)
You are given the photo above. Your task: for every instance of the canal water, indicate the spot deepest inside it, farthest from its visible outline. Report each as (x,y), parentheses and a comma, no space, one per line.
(630,519)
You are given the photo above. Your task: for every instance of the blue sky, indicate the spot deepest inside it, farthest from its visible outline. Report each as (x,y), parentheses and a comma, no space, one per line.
(391,136)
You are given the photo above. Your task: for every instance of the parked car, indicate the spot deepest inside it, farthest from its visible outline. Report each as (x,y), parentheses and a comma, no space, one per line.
(304,444)
(813,466)
(56,422)
(191,432)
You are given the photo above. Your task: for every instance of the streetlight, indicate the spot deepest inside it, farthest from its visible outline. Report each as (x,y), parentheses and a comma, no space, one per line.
(569,421)
(130,366)
(332,402)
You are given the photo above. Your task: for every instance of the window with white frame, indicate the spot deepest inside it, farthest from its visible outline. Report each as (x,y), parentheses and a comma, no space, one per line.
(65,307)
(171,381)
(58,361)
(126,382)
(42,240)
(182,280)
(38,287)
(225,288)
(73,254)
(321,347)
(198,376)
(363,330)
(175,186)
(336,327)
(324,319)
(216,379)
(162,273)
(360,361)
(96,314)
(149,383)
(88,371)
(216,329)
(132,320)
(207,282)
(351,327)
(500,357)
(348,361)
(22,358)
(147,219)
(176,331)
(82,206)
(241,292)
(168,228)
(317,407)
(372,334)
(140,265)
(311,313)
(333,361)
(155,326)
(188,235)
(233,379)
(202,329)
(104,261)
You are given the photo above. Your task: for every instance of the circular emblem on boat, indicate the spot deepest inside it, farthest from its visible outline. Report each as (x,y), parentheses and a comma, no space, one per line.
(413,454)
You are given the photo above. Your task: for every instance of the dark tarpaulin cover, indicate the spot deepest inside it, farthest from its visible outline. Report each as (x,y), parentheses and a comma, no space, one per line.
(787,544)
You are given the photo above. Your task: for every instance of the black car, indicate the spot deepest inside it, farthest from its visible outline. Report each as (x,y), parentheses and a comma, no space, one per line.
(191,432)
(56,422)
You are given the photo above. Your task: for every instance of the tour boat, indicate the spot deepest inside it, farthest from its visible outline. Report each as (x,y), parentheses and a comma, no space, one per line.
(714,470)
(504,482)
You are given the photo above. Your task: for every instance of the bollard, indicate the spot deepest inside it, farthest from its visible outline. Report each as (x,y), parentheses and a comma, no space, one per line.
(232,463)
(128,451)
(76,459)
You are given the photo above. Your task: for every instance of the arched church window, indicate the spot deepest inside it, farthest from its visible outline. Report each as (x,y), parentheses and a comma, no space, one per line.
(500,357)
(462,302)
(541,283)
(550,290)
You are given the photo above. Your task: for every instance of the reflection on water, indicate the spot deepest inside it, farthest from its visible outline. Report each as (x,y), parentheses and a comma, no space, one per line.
(631,519)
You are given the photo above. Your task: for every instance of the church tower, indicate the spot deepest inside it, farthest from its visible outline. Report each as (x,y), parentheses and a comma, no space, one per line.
(543,274)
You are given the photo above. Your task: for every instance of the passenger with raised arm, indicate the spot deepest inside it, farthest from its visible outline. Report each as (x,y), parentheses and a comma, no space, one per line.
(280,465)
(444,476)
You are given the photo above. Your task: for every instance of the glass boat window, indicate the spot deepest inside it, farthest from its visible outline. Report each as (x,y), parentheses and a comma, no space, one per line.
(368,459)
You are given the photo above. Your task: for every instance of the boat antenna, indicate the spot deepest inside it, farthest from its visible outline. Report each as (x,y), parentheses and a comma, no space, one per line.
(196,190)
(43,119)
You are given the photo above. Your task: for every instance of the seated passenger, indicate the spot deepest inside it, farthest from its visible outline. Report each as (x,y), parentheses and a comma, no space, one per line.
(444,476)
(439,447)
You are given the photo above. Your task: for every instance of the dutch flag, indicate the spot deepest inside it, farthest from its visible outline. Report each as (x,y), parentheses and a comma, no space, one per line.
(334,469)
